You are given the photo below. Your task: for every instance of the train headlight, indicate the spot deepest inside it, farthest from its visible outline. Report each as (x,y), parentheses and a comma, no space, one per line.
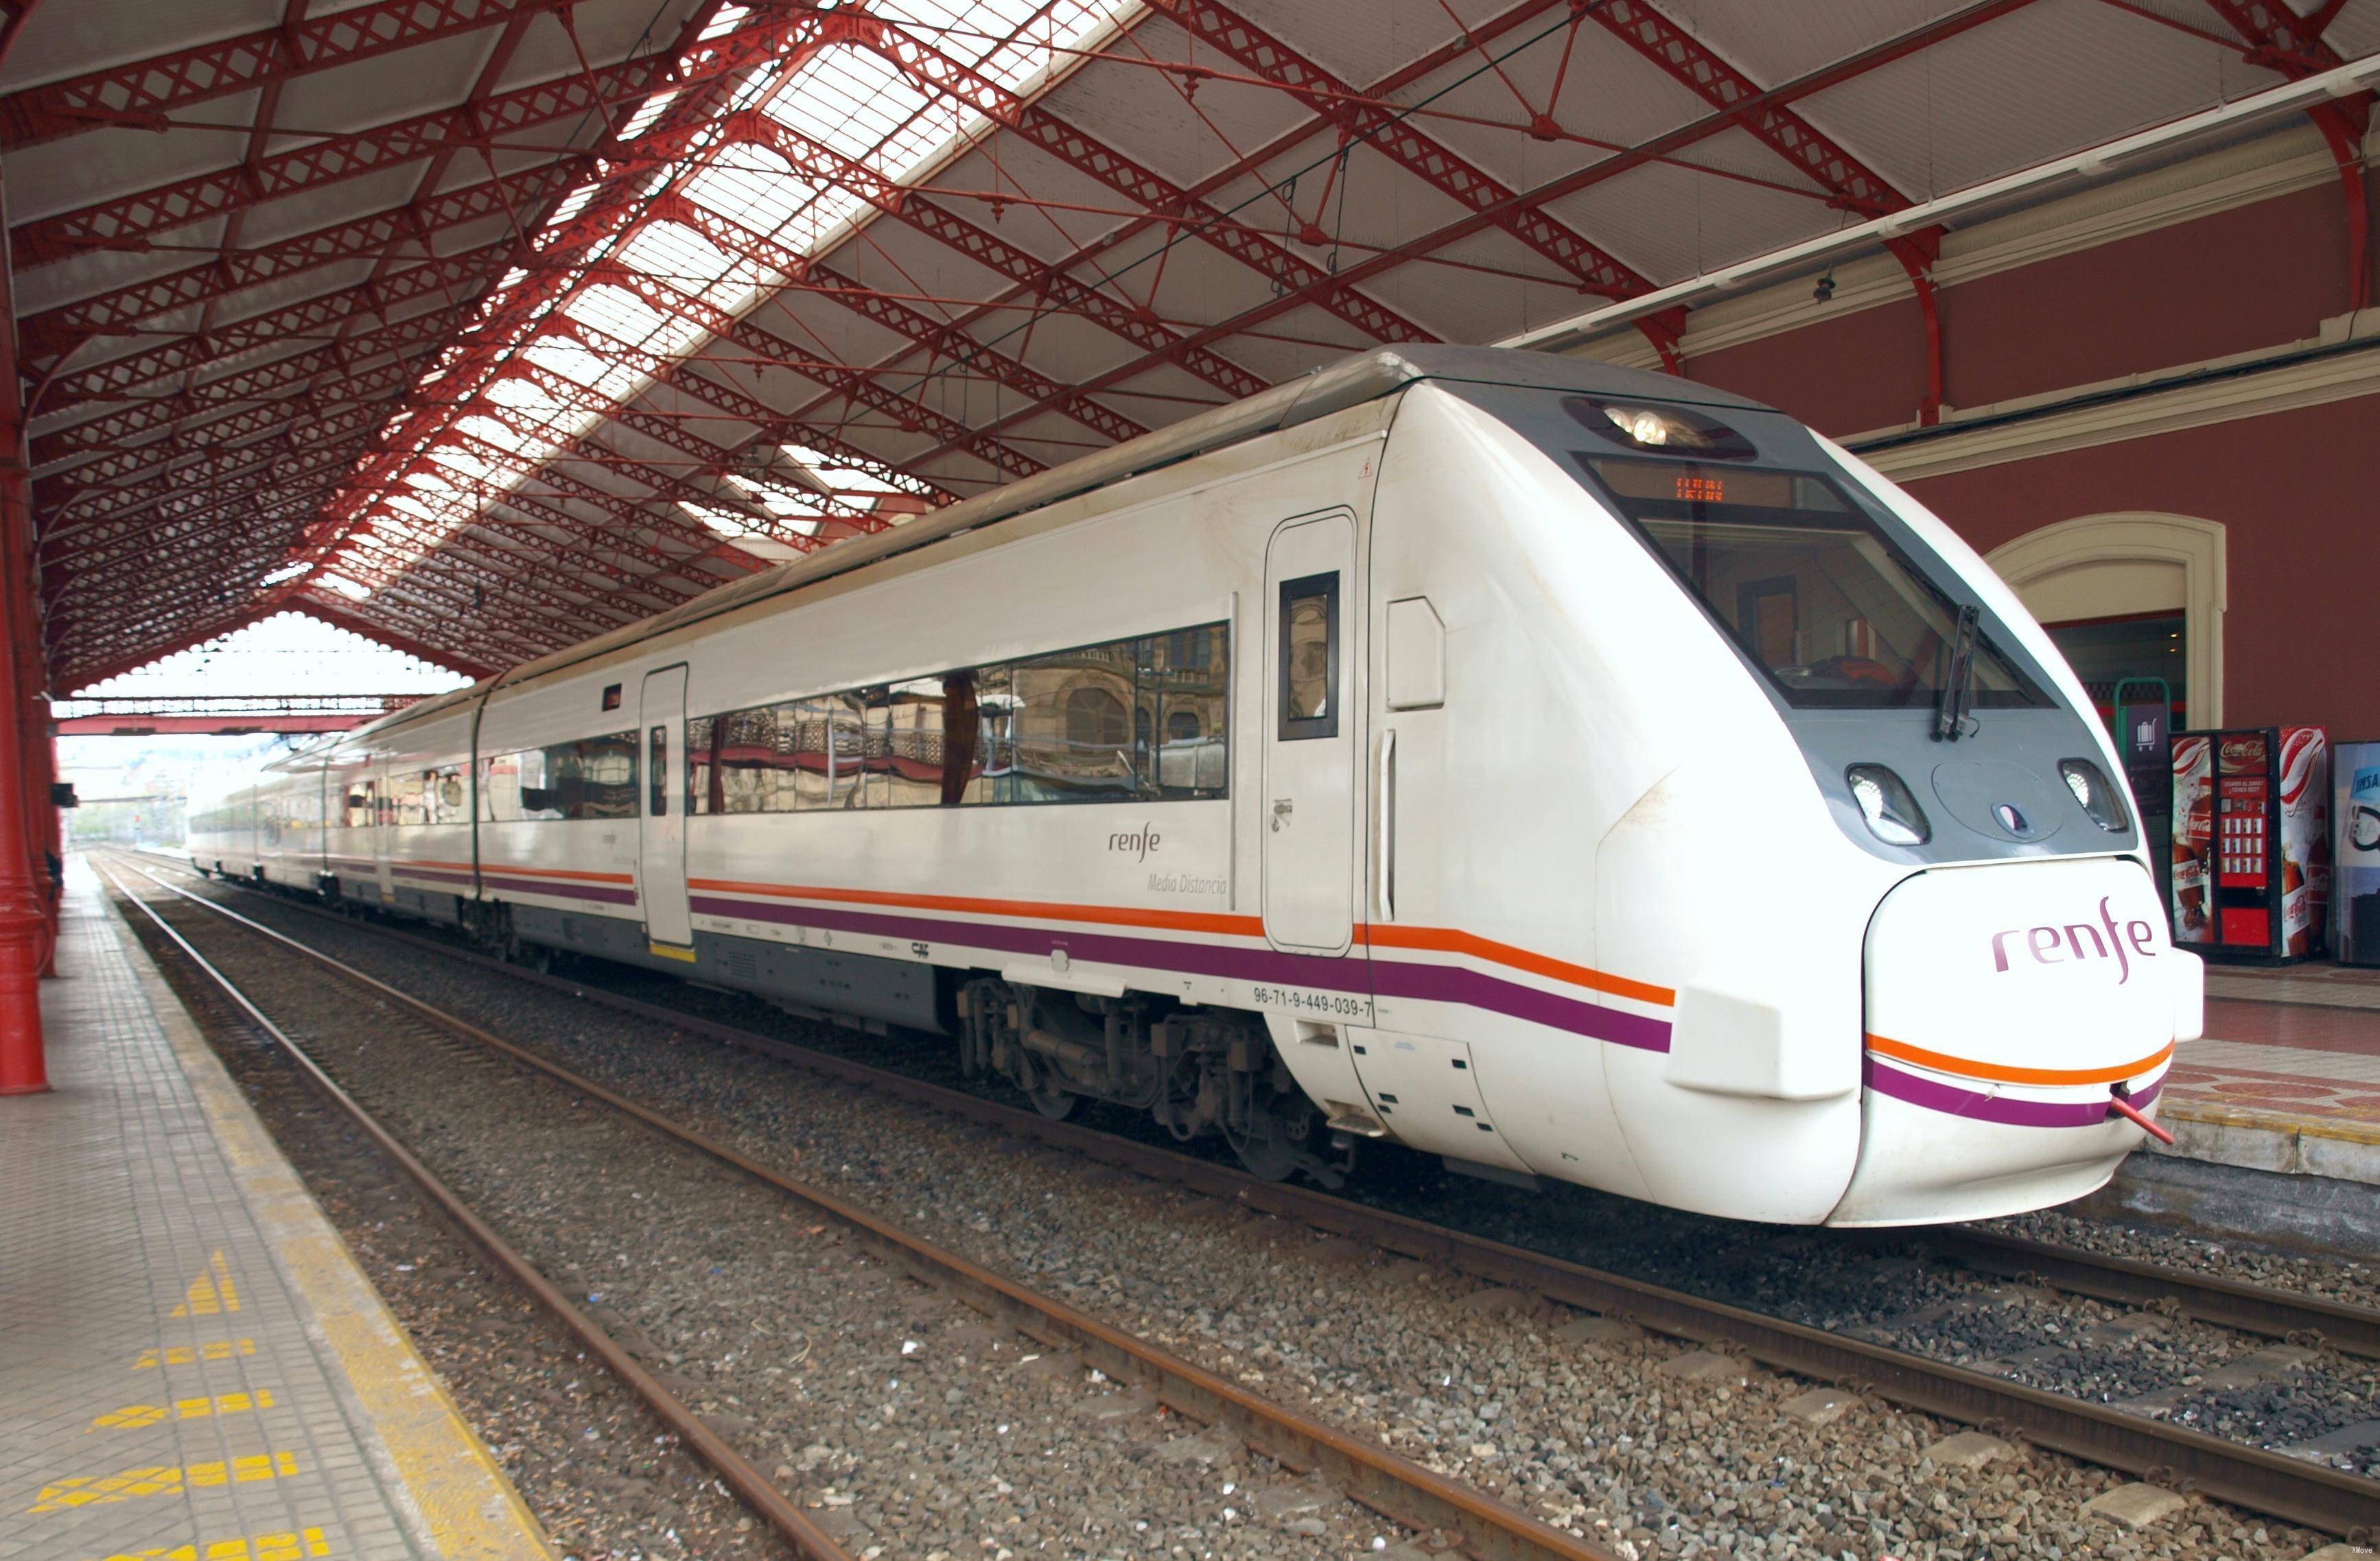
(2099,798)
(1888,805)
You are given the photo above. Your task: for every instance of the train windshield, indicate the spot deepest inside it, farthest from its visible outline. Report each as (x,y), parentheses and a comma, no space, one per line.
(1811,588)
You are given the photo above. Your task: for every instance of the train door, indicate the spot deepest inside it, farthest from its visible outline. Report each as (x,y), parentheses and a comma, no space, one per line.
(1308,801)
(383,832)
(661,853)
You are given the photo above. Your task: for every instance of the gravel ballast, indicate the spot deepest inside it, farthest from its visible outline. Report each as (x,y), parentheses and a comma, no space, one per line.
(1603,1435)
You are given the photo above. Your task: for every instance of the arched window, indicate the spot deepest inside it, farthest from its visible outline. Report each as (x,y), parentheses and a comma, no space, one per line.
(2101,582)
(1182,726)
(1095,718)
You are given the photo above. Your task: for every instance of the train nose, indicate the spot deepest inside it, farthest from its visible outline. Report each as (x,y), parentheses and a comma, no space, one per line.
(2019,1019)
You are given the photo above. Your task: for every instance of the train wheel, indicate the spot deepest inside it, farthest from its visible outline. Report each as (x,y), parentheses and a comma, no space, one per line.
(1053,1101)
(1267,1150)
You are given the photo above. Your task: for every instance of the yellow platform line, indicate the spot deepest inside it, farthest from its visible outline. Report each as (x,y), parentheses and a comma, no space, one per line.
(132,1416)
(457,1500)
(304,1545)
(210,1294)
(191,1354)
(162,1480)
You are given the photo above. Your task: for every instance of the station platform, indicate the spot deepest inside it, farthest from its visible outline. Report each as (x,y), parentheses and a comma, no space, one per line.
(2288,1076)
(194,1368)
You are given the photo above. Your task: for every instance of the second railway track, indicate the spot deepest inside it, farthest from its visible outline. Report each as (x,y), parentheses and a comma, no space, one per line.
(2265,1482)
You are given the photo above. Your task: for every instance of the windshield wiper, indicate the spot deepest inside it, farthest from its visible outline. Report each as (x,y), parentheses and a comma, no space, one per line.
(1953,707)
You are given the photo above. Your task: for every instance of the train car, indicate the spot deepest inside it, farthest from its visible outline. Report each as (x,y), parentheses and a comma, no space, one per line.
(220,829)
(1574,773)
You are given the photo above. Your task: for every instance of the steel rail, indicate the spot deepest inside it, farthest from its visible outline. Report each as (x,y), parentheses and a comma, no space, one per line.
(749,1483)
(2273,1484)
(2224,1303)
(1395,1486)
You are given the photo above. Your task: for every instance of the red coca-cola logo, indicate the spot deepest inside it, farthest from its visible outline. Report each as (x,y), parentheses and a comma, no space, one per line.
(2299,749)
(2241,751)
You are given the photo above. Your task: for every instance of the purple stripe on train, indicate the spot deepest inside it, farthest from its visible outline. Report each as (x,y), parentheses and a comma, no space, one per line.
(1444,984)
(1935,1096)
(608,896)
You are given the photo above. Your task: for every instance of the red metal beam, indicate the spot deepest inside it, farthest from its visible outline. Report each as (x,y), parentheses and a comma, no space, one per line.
(200,726)
(145,92)
(938,73)
(1059,273)
(1658,148)
(2281,39)
(1368,122)
(410,231)
(375,365)
(543,266)
(132,222)
(935,335)
(1850,183)
(912,206)
(454,277)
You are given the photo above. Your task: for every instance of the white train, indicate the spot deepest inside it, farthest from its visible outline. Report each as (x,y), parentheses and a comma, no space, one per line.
(1571,772)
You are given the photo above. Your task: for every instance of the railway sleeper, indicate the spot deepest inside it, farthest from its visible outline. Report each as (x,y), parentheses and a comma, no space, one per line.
(1197,1071)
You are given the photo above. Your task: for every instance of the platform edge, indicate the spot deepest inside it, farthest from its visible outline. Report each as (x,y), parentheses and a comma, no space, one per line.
(464,1506)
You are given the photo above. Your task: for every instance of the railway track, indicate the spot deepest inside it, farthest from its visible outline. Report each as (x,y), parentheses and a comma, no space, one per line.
(1393,1486)
(2256,1479)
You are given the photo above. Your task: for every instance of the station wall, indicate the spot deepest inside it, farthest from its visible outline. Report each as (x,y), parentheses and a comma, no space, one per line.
(2289,473)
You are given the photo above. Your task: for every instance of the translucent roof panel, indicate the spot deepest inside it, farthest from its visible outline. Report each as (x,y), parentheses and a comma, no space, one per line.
(842,97)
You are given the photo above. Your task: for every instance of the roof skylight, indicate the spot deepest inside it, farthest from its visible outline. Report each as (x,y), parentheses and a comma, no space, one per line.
(842,97)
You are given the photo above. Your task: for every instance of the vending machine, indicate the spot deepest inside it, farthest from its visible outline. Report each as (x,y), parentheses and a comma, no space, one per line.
(2355,809)
(2252,842)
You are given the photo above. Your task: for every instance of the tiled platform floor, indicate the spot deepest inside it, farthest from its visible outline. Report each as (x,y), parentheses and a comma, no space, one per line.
(2288,1076)
(188,1357)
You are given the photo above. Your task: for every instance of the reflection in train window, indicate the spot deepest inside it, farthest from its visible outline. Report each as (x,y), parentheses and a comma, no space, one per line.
(1078,725)
(1309,657)
(593,777)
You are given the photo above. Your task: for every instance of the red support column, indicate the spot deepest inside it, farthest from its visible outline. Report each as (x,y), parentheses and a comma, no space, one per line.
(25,930)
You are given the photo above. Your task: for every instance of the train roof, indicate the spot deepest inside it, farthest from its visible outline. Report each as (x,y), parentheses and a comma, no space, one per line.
(1350,381)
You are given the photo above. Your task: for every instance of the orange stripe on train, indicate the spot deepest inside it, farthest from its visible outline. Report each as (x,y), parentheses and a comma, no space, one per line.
(1901,1051)
(1435,940)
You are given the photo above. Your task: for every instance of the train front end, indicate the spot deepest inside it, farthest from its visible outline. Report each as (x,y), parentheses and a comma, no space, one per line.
(1866,825)
(2020,1020)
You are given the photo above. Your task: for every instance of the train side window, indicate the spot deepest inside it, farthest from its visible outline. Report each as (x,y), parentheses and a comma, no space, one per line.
(908,740)
(657,768)
(1143,718)
(702,764)
(1309,657)
(450,801)
(1181,719)
(413,793)
(1071,724)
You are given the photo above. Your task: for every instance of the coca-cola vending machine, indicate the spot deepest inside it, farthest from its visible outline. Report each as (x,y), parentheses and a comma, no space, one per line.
(2252,842)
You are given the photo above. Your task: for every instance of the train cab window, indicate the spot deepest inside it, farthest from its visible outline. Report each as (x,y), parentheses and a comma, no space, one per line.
(1807,585)
(1309,658)
(657,768)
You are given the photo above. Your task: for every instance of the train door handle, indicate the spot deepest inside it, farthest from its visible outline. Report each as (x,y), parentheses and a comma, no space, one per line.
(1281,808)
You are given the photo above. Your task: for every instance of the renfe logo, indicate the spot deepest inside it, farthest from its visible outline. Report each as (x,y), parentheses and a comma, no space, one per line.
(2065,945)
(1138,842)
